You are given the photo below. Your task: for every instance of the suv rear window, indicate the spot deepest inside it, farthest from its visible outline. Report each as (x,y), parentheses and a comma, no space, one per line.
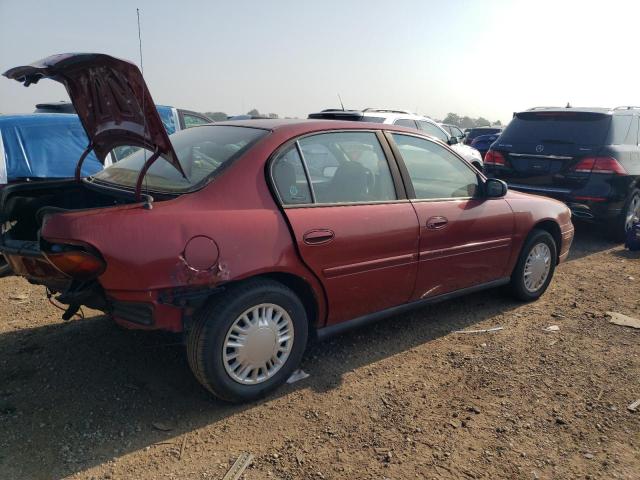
(580,128)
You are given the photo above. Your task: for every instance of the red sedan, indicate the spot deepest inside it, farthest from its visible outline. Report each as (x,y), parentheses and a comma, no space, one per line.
(252,236)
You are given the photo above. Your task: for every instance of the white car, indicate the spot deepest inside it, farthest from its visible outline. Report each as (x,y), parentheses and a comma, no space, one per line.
(405,119)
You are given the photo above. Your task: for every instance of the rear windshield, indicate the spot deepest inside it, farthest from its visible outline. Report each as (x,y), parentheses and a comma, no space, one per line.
(580,128)
(202,151)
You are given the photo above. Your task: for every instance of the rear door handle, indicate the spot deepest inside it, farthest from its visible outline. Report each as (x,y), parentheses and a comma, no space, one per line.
(318,237)
(436,223)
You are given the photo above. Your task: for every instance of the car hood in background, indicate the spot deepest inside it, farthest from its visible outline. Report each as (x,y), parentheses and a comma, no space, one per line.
(111,98)
(467,152)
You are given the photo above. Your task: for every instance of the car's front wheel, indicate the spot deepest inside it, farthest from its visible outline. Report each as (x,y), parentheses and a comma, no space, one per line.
(535,266)
(249,341)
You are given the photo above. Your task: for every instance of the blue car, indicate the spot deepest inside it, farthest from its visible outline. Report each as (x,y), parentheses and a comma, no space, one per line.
(482,143)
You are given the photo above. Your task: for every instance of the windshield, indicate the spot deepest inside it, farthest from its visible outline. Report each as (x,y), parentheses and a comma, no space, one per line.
(202,152)
(579,128)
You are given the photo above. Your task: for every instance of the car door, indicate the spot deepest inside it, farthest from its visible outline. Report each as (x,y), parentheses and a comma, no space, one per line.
(465,239)
(348,212)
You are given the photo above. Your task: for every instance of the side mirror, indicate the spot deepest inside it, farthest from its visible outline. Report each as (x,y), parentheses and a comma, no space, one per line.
(452,140)
(495,188)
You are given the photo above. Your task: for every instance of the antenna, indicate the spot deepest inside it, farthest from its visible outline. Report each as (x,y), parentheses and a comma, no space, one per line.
(148,198)
(341,104)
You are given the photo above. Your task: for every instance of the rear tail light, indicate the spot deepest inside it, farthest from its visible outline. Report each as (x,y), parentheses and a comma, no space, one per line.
(75,262)
(494,158)
(599,165)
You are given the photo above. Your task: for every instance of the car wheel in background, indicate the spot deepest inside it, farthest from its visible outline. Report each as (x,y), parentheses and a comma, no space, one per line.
(618,230)
(248,341)
(535,267)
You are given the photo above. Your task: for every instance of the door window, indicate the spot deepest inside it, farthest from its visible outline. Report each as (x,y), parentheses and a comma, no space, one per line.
(433,130)
(194,120)
(290,179)
(347,167)
(434,171)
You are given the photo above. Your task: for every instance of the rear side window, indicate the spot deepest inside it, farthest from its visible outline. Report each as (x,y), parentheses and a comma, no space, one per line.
(433,130)
(405,122)
(568,128)
(435,172)
(193,120)
(342,167)
(353,168)
(290,178)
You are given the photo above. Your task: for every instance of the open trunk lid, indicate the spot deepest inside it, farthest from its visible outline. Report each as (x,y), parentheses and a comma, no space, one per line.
(111,99)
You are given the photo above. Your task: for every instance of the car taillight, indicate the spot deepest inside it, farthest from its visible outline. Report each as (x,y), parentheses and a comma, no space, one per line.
(494,158)
(599,165)
(77,263)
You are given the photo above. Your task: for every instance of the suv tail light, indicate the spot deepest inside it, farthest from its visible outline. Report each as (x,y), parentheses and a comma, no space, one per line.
(75,262)
(599,165)
(494,158)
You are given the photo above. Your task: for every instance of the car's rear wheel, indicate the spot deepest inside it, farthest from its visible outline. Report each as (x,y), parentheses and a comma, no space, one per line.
(535,267)
(618,231)
(247,342)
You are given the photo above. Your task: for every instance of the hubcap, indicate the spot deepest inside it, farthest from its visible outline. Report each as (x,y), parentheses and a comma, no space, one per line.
(258,344)
(632,212)
(537,267)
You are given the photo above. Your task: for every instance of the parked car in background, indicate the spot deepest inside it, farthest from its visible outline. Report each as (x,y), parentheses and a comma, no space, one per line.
(174,119)
(404,119)
(587,157)
(36,147)
(482,143)
(477,131)
(453,131)
(355,221)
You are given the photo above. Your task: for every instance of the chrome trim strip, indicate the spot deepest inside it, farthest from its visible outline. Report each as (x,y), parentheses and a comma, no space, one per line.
(538,189)
(551,157)
(368,265)
(473,247)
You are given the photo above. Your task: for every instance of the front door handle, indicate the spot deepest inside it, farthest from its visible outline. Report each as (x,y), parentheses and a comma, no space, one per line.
(436,223)
(318,237)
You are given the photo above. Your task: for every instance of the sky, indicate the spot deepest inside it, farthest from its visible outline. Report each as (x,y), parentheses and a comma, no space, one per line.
(478,58)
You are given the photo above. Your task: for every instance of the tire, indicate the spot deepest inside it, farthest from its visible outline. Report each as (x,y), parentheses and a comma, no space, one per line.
(221,319)
(618,228)
(528,292)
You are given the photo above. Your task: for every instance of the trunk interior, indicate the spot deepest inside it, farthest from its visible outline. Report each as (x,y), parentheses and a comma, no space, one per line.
(23,206)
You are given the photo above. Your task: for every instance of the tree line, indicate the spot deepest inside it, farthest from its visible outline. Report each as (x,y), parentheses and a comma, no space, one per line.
(467,122)
(220,116)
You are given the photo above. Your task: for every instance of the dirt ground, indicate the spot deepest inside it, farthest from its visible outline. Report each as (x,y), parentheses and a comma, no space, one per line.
(407,398)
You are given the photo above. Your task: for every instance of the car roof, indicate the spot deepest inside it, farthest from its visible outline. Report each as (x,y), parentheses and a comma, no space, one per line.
(572,109)
(293,127)
(34,118)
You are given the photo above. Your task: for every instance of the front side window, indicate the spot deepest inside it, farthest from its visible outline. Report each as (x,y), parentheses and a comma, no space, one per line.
(433,130)
(346,167)
(202,152)
(434,171)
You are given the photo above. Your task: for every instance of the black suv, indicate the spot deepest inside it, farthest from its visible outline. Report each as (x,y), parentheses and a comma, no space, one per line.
(587,157)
